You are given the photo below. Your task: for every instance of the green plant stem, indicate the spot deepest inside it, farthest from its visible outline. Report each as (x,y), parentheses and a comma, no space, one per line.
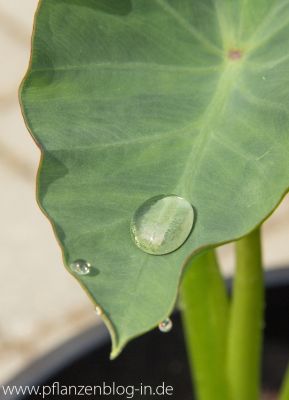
(246,320)
(284,394)
(205,315)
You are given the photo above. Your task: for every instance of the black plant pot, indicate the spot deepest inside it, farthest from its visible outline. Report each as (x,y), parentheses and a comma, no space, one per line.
(155,358)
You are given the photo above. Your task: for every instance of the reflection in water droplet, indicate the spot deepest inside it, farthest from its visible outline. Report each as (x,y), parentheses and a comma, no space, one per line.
(80,267)
(98,311)
(166,325)
(162,224)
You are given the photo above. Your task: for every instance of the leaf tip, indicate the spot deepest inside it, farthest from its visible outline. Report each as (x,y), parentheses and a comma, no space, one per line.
(116,346)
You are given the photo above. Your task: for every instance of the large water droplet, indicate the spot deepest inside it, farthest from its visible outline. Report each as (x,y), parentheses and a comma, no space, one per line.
(80,267)
(162,224)
(166,325)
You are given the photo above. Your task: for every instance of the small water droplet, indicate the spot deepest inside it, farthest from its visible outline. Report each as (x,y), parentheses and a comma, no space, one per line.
(98,311)
(166,325)
(264,77)
(80,267)
(162,224)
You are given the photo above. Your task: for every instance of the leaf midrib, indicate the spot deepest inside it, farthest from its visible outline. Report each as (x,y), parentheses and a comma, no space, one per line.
(206,124)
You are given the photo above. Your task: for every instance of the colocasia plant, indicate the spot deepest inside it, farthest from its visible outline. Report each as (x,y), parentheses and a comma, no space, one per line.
(164,131)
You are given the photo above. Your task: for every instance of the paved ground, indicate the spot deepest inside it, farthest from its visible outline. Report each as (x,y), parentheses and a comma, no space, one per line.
(41,305)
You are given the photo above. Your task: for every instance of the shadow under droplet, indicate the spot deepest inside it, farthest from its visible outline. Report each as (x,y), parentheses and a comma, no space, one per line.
(94,271)
(115,7)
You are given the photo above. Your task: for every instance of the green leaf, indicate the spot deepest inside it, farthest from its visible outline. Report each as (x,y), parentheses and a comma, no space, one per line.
(129,99)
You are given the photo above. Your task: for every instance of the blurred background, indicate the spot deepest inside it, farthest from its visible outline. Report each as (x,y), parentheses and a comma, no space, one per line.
(42,306)
(40,303)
